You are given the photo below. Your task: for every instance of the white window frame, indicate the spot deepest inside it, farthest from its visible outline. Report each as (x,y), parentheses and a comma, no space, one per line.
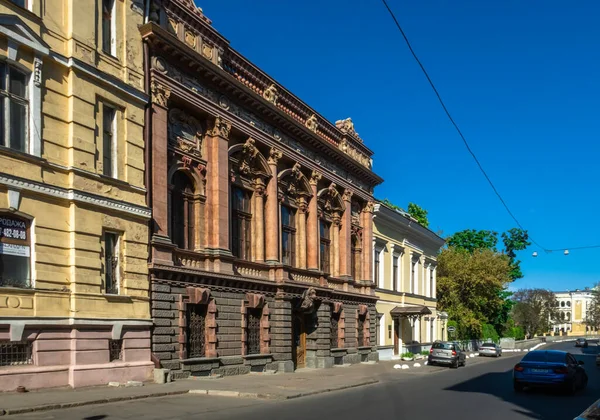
(414,288)
(398,279)
(378,249)
(113,29)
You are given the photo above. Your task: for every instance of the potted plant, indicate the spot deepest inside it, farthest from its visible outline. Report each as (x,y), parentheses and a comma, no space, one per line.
(408,356)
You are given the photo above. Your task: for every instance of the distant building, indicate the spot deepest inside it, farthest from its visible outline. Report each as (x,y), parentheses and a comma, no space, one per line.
(573,306)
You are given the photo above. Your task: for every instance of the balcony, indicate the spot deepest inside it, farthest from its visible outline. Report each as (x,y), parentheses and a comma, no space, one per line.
(304,276)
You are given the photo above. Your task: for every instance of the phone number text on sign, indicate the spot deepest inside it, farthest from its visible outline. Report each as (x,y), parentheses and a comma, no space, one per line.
(13,228)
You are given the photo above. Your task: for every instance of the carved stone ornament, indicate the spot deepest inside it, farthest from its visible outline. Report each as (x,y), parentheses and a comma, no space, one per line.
(369,206)
(274,156)
(185,132)
(221,127)
(363,309)
(160,93)
(311,123)
(307,305)
(337,307)
(294,180)
(329,197)
(198,295)
(347,196)
(270,94)
(346,126)
(37,71)
(248,154)
(315,178)
(255,300)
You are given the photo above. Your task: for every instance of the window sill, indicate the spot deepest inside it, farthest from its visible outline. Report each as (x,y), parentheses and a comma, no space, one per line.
(196,360)
(258,356)
(113,59)
(21,155)
(117,298)
(24,289)
(112,180)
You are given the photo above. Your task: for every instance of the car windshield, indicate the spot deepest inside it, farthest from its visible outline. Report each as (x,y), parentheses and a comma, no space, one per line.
(488,345)
(443,346)
(543,356)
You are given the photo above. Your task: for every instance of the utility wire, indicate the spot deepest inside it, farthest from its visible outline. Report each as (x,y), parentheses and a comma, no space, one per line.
(441,101)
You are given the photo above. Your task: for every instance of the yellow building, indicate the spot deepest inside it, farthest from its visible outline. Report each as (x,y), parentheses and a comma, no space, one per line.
(404,255)
(73,217)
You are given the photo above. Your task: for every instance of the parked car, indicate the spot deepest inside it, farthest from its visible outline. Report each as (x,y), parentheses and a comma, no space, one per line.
(490,349)
(549,368)
(598,360)
(581,342)
(447,353)
(591,413)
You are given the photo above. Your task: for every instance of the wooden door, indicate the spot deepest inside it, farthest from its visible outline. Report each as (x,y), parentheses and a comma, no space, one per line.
(299,341)
(396,336)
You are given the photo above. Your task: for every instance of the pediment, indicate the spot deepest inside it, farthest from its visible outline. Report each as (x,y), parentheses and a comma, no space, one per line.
(16,30)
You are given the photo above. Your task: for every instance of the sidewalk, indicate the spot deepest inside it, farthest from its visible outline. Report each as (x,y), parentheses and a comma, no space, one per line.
(265,386)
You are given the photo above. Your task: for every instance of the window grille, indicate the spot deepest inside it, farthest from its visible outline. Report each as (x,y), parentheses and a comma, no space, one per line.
(115,349)
(335,325)
(196,330)
(16,354)
(361,330)
(253,330)
(325,243)
(111,263)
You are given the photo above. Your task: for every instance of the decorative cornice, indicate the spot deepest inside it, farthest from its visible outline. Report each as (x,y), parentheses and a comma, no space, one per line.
(74,196)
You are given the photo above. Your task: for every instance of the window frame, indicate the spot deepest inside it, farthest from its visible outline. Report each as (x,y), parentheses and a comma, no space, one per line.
(8,99)
(113,289)
(27,242)
(202,311)
(253,318)
(395,272)
(377,265)
(113,135)
(111,48)
(290,231)
(325,246)
(242,218)
(187,205)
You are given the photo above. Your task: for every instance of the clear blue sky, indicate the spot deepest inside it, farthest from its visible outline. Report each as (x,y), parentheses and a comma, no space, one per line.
(522,79)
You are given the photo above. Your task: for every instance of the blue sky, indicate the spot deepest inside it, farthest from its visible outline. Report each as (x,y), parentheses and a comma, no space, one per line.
(521,78)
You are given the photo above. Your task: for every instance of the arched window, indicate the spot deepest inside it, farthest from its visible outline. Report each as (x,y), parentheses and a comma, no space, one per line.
(241,218)
(568,303)
(15,263)
(183,226)
(562,304)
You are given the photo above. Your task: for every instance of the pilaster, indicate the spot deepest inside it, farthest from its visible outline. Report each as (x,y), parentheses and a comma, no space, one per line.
(272,210)
(345,236)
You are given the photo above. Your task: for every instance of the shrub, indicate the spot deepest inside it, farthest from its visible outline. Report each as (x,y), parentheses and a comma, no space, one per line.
(408,355)
(425,352)
(490,333)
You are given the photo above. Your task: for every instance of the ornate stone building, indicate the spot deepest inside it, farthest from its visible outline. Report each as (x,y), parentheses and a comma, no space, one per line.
(74,304)
(262,213)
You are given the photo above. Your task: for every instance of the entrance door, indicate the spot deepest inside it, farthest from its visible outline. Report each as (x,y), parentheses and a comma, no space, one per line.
(299,341)
(396,336)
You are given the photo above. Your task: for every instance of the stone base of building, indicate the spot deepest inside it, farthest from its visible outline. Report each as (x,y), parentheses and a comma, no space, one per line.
(36,354)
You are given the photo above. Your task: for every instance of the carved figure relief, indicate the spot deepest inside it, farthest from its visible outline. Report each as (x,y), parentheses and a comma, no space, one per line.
(307,305)
(329,197)
(185,132)
(249,152)
(274,156)
(346,126)
(294,183)
(221,127)
(160,93)
(270,94)
(315,178)
(311,123)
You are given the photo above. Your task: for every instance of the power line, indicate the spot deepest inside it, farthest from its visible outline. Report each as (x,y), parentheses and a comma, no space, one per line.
(441,101)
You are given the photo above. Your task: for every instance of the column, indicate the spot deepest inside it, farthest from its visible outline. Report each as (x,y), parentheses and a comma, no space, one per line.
(393,283)
(301,242)
(434,283)
(367,255)
(335,239)
(346,236)
(160,193)
(217,185)
(259,221)
(272,210)
(312,234)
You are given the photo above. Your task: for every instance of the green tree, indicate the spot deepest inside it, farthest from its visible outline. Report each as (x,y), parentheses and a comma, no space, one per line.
(391,205)
(534,310)
(418,213)
(471,240)
(514,240)
(469,287)
(592,317)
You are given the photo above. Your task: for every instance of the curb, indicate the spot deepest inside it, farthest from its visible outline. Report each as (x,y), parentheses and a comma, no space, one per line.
(84,403)
(237,394)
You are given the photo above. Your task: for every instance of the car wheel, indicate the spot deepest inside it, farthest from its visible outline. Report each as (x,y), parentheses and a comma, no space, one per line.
(454,364)
(464,362)
(571,387)
(518,386)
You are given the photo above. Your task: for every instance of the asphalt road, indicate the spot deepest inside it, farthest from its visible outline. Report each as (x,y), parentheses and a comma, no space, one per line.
(481,390)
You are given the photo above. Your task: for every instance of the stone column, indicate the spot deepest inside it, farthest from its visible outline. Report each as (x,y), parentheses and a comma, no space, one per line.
(312,235)
(367,255)
(335,239)
(346,236)
(272,210)
(217,185)
(259,221)
(301,242)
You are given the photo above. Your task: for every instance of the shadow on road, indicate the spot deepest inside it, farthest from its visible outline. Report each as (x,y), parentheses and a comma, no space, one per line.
(537,403)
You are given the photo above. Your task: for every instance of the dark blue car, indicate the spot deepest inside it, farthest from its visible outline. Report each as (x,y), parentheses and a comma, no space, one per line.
(549,368)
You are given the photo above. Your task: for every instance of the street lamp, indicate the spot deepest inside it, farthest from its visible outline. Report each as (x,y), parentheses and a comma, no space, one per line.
(566,252)
(535,254)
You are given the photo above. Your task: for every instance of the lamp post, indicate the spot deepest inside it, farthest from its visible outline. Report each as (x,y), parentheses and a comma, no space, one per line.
(443,317)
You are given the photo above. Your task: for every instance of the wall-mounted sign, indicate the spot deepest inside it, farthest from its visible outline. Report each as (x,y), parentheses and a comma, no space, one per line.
(16,250)
(451,329)
(13,228)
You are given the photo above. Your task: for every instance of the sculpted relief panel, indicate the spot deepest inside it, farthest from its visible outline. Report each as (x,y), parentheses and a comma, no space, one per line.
(185,132)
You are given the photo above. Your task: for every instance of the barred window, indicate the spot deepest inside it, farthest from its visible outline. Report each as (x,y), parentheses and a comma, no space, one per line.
(335,327)
(253,330)
(241,219)
(115,349)
(196,330)
(15,354)
(361,330)
(111,263)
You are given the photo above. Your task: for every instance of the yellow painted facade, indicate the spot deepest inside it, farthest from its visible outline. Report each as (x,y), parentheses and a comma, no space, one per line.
(405,270)
(58,182)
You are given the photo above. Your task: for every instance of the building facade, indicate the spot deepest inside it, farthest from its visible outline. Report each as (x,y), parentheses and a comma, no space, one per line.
(262,213)
(74,304)
(404,273)
(572,312)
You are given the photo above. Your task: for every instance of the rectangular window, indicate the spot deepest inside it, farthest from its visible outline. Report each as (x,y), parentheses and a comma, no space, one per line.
(376,268)
(109,140)
(361,330)
(111,263)
(395,274)
(15,252)
(288,236)
(241,219)
(14,108)
(335,326)
(115,350)
(20,3)
(253,330)
(16,354)
(325,244)
(108,27)
(196,330)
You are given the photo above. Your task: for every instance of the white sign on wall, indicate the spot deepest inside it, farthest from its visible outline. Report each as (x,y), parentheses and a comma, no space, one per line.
(16,250)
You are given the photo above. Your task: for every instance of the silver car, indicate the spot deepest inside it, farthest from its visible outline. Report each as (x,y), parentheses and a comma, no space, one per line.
(447,353)
(490,349)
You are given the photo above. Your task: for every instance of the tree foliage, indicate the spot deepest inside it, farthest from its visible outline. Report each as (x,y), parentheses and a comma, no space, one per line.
(514,240)
(418,213)
(391,205)
(534,310)
(470,287)
(471,240)
(592,317)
